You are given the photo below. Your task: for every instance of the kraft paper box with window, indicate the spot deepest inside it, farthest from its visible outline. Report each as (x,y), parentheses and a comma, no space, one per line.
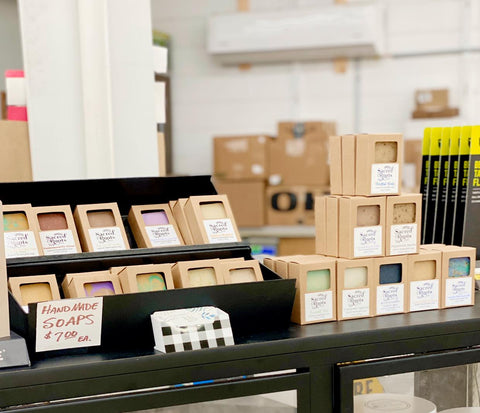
(403,224)
(247,199)
(378,164)
(146,278)
(361,227)
(355,289)
(21,234)
(292,205)
(390,281)
(4,311)
(100,227)
(335,161)
(424,272)
(458,276)
(57,239)
(281,264)
(349,160)
(211,219)
(241,157)
(91,284)
(34,289)
(177,208)
(162,232)
(234,272)
(199,273)
(315,297)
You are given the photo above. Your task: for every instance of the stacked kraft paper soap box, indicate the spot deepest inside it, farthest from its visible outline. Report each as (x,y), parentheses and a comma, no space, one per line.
(370,261)
(33,231)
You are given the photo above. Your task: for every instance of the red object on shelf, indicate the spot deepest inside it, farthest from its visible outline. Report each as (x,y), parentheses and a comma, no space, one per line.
(14,73)
(17,113)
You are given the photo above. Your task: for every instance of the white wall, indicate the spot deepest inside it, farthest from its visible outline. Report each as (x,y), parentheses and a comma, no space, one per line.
(209,99)
(10,44)
(89,76)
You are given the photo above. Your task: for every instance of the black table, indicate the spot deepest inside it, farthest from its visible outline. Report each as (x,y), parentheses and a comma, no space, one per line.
(126,382)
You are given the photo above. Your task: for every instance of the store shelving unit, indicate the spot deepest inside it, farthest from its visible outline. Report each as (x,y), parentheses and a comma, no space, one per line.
(132,381)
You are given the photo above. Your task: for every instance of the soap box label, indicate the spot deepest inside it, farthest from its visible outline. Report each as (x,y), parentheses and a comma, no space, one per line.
(319,306)
(424,295)
(106,239)
(403,239)
(458,291)
(58,242)
(71,323)
(162,235)
(220,230)
(390,298)
(367,241)
(20,244)
(356,303)
(384,178)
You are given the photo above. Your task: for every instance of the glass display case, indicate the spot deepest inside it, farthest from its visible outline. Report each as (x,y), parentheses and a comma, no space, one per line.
(422,383)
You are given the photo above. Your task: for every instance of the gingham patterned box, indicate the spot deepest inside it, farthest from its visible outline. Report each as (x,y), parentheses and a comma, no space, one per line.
(191,329)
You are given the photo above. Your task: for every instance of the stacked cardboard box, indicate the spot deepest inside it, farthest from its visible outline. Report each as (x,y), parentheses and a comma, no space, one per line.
(295,166)
(369,260)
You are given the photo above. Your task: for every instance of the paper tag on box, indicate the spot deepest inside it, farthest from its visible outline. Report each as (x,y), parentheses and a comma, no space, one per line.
(403,239)
(424,295)
(162,235)
(318,306)
(356,303)
(220,230)
(58,242)
(70,323)
(20,244)
(390,298)
(367,241)
(458,291)
(384,178)
(106,239)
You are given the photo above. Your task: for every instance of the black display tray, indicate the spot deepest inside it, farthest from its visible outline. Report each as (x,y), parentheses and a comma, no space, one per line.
(126,325)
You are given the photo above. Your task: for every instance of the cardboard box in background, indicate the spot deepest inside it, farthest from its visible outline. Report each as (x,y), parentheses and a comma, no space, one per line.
(15,161)
(431,100)
(296,246)
(241,157)
(299,156)
(433,103)
(299,162)
(247,199)
(292,205)
(307,130)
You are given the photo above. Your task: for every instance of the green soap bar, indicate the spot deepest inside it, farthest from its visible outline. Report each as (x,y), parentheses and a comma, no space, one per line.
(459,267)
(318,280)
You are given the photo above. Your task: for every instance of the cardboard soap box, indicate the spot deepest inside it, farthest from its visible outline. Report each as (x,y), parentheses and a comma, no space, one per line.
(241,157)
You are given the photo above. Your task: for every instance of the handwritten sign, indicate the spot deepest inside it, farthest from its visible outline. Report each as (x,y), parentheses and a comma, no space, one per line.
(69,323)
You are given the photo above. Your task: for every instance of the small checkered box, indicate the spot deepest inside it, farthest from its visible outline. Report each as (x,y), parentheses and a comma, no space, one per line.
(191,329)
